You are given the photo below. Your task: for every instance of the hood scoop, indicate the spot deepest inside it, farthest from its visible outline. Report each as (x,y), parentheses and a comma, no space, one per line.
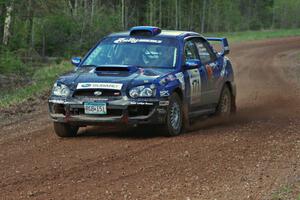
(117,68)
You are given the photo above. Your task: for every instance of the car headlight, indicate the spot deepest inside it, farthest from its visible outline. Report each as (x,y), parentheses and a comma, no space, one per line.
(142,91)
(60,90)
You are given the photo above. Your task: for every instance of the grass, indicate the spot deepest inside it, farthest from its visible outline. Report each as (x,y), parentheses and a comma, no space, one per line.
(256,35)
(282,193)
(43,80)
(288,191)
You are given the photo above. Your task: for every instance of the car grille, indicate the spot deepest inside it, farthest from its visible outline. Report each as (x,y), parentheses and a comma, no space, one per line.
(101,93)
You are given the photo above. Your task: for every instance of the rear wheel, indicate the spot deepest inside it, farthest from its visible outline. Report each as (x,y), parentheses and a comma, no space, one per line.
(174,119)
(65,130)
(224,107)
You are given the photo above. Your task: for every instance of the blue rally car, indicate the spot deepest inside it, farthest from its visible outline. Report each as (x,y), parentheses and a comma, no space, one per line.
(145,76)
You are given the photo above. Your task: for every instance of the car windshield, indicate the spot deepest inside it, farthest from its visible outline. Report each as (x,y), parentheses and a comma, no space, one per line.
(137,51)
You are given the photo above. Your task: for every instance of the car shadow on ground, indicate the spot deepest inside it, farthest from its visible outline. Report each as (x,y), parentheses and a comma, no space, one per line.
(151,131)
(243,116)
(145,132)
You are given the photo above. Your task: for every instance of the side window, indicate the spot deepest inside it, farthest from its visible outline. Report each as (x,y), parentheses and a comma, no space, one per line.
(190,50)
(205,53)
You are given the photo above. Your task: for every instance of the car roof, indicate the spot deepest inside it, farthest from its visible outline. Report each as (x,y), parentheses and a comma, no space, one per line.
(164,33)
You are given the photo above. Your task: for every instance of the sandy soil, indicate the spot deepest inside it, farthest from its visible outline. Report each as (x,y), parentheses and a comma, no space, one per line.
(253,155)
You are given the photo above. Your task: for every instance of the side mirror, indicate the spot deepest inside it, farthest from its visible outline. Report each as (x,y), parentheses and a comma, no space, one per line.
(76,61)
(192,63)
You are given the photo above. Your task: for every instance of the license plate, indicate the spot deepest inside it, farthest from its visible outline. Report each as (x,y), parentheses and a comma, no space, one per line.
(95,108)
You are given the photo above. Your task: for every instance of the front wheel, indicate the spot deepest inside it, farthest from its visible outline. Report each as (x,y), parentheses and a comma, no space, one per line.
(174,122)
(65,130)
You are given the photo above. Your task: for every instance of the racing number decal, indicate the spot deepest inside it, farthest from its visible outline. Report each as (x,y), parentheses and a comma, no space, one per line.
(195,85)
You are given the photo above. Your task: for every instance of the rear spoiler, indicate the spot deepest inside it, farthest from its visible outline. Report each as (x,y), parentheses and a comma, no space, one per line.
(224,43)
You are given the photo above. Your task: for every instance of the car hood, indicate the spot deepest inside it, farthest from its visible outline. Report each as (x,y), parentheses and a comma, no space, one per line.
(129,76)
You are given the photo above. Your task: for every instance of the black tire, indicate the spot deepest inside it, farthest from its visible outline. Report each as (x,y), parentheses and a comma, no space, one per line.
(65,130)
(174,119)
(224,108)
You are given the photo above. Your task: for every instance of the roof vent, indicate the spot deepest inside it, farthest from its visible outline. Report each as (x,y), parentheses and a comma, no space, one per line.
(145,31)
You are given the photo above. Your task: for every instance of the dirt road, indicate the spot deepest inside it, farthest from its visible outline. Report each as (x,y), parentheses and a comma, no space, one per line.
(254,155)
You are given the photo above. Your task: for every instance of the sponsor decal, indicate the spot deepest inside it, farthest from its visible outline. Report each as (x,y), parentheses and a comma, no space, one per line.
(140,103)
(180,77)
(209,71)
(136,40)
(163,103)
(164,93)
(85,85)
(170,77)
(223,71)
(113,86)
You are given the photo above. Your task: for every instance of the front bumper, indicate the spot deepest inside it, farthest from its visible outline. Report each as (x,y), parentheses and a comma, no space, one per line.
(124,110)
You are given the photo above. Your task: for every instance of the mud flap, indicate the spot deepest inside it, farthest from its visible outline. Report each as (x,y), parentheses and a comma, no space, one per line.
(186,119)
(233,104)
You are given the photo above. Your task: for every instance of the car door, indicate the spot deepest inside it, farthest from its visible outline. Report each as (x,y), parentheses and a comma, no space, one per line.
(210,64)
(197,80)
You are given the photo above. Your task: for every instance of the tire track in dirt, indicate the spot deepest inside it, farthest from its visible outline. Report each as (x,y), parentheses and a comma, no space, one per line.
(246,157)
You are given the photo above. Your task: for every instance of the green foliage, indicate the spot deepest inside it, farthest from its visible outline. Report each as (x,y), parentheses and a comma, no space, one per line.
(282,193)
(19,36)
(64,28)
(289,191)
(42,81)
(58,33)
(287,13)
(10,62)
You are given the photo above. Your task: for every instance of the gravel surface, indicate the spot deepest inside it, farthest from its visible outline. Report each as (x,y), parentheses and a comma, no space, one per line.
(253,155)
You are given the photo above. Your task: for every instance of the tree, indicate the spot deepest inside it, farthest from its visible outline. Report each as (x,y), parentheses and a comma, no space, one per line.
(203,16)
(64,27)
(124,26)
(7,23)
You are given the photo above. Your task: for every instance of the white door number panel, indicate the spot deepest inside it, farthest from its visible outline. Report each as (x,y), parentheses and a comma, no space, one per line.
(195,84)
